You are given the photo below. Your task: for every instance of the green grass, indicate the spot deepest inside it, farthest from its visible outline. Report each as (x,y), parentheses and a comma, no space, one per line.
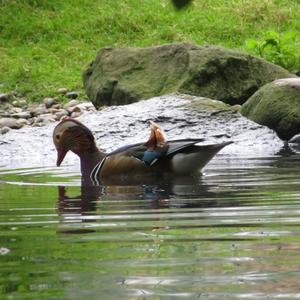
(46,44)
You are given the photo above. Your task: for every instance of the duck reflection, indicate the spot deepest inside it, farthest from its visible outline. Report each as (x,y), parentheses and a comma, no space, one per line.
(185,192)
(99,206)
(80,204)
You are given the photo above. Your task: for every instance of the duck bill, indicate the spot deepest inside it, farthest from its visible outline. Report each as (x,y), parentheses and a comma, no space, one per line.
(60,156)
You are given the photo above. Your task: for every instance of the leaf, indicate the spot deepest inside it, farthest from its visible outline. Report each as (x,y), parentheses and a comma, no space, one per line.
(289,35)
(272,35)
(270,42)
(252,44)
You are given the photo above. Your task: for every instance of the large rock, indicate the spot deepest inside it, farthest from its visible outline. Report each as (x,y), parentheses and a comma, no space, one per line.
(125,75)
(276,105)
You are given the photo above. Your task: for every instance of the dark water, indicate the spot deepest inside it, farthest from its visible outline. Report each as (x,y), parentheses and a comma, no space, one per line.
(233,233)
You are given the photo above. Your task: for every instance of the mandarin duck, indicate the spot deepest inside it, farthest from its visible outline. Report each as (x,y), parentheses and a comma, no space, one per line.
(179,157)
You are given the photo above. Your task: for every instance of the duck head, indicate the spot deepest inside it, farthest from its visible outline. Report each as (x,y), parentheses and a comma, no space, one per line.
(71,135)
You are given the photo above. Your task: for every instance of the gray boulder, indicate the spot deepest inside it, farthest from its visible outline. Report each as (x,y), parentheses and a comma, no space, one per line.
(276,105)
(125,75)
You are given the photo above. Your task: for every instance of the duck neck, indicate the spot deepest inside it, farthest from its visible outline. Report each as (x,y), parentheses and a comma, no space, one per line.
(88,161)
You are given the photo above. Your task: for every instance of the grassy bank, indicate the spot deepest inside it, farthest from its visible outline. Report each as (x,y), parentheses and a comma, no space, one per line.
(46,44)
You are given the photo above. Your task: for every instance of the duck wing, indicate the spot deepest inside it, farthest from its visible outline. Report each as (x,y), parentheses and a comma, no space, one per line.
(149,156)
(179,156)
(141,152)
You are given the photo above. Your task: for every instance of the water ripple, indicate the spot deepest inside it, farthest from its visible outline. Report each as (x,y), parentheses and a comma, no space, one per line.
(232,233)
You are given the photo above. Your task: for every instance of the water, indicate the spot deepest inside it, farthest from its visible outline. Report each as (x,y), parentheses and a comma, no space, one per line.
(231,234)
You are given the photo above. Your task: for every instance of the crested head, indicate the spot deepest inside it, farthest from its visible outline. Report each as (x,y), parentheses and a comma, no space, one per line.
(157,137)
(72,135)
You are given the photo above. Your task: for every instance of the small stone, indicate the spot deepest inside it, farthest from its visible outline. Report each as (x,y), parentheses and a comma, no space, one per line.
(72,95)
(57,106)
(5,98)
(69,110)
(62,91)
(75,114)
(22,115)
(76,109)
(15,110)
(60,114)
(10,122)
(86,106)
(39,119)
(53,110)
(31,121)
(71,103)
(73,109)
(19,103)
(49,102)
(39,110)
(4,130)
(23,122)
(4,115)
(44,119)
(15,93)
(5,108)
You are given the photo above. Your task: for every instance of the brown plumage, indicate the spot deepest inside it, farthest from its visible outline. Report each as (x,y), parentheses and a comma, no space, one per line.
(157,137)
(155,156)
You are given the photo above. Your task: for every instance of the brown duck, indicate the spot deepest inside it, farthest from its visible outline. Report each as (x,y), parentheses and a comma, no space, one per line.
(153,157)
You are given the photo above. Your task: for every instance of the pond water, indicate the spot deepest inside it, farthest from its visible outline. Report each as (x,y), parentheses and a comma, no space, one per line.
(233,233)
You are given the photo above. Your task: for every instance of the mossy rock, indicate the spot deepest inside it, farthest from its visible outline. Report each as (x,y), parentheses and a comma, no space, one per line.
(202,104)
(276,105)
(126,75)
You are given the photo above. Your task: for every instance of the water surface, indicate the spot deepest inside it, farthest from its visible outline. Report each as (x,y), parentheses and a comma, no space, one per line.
(232,233)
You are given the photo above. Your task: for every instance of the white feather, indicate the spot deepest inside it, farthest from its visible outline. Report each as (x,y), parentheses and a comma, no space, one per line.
(193,162)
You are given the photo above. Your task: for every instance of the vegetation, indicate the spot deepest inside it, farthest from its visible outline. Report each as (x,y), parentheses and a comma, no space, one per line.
(278,48)
(46,44)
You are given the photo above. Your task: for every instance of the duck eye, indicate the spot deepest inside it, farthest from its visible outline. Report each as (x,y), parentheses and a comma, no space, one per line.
(57,136)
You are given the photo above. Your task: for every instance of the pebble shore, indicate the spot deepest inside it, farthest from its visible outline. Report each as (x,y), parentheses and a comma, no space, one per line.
(16,112)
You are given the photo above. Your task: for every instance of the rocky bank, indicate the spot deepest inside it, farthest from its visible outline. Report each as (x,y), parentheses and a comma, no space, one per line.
(181,116)
(16,112)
